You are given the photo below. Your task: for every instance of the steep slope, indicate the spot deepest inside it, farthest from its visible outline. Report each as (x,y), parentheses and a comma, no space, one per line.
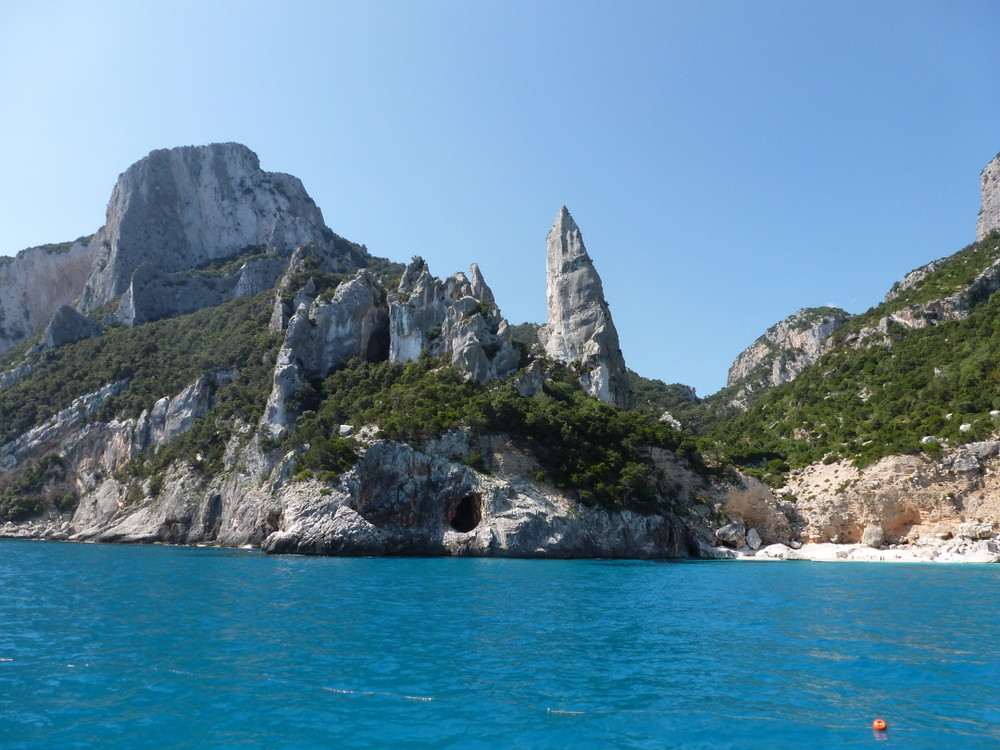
(783,351)
(179,209)
(989,213)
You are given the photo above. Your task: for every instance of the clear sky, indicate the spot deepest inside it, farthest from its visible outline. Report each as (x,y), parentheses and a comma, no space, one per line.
(727,162)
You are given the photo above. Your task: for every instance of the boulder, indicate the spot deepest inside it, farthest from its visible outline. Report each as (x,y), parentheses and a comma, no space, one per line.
(732,534)
(975,530)
(873,536)
(753,539)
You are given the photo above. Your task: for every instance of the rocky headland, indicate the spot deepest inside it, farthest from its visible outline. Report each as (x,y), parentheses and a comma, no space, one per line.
(216,366)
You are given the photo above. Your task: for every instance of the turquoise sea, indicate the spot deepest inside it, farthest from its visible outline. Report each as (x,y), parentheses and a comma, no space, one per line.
(161,647)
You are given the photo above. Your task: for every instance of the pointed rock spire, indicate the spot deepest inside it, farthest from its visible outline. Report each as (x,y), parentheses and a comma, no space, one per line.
(580,328)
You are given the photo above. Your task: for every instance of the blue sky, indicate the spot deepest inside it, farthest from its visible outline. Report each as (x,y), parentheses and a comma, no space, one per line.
(727,162)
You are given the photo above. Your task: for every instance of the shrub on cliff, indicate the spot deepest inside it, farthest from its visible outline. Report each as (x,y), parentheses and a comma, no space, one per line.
(583,444)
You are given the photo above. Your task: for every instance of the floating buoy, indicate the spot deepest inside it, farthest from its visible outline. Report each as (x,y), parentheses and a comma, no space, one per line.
(879,725)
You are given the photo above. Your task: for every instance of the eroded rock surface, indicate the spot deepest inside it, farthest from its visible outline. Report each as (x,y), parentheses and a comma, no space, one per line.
(785,349)
(455,317)
(579,327)
(179,209)
(355,323)
(989,214)
(36,283)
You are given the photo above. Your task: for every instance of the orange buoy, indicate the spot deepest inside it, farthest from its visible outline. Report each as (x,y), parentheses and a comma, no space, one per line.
(879,725)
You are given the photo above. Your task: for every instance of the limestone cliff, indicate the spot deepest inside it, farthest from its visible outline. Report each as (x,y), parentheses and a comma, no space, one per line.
(36,283)
(180,209)
(989,214)
(579,328)
(783,351)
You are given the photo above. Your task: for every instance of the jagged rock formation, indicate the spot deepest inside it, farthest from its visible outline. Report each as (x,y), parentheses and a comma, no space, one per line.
(783,351)
(35,284)
(172,416)
(355,323)
(579,328)
(192,228)
(455,317)
(989,214)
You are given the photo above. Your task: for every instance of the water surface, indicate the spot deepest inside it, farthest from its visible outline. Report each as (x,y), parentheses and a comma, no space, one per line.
(180,647)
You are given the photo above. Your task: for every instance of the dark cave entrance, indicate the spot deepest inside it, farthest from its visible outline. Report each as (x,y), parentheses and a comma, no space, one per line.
(467,513)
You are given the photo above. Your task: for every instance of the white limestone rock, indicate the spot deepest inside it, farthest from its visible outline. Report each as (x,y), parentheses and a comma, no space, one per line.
(974,530)
(36,283)
(67,326)
(732,534)
(180,208)
(580,328)
(456,317)
(355,323)
(989,214)
(873,536)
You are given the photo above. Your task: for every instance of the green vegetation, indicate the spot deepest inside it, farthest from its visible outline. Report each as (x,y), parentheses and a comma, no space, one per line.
(581,443)
(954,274)
(25,497)
(64,247)
(310,269)
(157,359)
(863,404)
(233,263)
(525,335)
(388,272)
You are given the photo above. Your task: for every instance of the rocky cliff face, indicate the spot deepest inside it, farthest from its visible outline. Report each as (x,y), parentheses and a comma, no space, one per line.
(321,335)
(785,349)
(579,328)
(989,214)
(180,209)
(455,317)
(35,284)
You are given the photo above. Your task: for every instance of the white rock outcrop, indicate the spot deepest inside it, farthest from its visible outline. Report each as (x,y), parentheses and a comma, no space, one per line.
(989,214)
(783,351)
(36,283)
(455,317)
(579,328)
(355,323)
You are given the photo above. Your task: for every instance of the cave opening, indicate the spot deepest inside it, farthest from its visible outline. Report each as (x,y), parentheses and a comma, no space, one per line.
(467,514)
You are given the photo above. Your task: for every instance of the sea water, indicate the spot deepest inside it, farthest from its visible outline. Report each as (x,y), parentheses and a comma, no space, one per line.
(139,647)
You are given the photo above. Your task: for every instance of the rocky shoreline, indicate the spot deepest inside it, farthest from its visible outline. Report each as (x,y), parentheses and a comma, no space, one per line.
(957,551)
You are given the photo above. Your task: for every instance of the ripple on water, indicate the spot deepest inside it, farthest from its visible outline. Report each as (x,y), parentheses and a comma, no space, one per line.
(154,647)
